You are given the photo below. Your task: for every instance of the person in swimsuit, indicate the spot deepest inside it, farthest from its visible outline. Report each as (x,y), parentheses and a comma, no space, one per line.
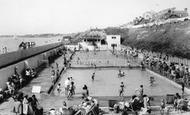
(93,75)
(121,91)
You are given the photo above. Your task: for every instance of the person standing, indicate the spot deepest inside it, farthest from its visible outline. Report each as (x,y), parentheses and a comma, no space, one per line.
(183,88)
(17,108)
(31,110)
(67,83)
(38,110)
(53,78)
(64,107)
(93,75)
(25,105)
(140,92)
(121,91)
(162,106)
(71,90)
(85,91)
(59,88)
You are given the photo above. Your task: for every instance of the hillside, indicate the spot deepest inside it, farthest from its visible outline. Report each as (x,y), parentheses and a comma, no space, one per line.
(172,38)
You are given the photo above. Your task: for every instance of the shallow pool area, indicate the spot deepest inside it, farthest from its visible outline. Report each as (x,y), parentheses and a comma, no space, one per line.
(107,82)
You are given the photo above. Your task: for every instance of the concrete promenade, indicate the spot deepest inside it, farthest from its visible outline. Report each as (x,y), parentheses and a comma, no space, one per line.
(43,79)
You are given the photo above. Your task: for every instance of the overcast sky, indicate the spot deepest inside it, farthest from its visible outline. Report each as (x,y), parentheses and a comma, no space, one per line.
(67,16)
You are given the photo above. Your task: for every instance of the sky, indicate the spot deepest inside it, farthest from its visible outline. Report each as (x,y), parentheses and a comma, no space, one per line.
(69,16)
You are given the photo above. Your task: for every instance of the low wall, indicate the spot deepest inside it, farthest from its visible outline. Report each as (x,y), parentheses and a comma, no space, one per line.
(32,58)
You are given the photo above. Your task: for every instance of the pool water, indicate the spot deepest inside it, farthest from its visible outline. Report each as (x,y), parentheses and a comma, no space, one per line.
(101,58)
(107,82)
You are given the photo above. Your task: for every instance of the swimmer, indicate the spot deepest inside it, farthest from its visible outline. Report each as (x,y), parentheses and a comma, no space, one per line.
(152,80)
(59,88)
(119,71)
(94,66)
(121,74)
(93,75)
(78,59)
(108,62)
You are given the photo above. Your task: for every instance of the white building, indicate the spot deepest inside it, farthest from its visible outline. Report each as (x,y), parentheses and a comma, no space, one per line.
(98,40)
(113,42)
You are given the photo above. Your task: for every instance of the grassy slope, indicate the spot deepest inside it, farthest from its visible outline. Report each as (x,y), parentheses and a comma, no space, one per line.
(169,38)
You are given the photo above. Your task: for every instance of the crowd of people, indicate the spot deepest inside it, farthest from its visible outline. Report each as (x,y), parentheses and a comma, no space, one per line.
(139,103)
(161,64)
(88,106)
(177,72)
(16,81)
(69,87)
(174,71)
(26,45)
(25,105)
(177,104)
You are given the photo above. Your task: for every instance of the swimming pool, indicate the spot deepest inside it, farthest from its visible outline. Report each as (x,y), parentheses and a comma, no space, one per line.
(107,82)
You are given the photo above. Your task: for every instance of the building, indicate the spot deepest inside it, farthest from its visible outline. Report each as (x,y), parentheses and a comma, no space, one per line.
(172,13)
(97,39)
(113,42)
(93,39)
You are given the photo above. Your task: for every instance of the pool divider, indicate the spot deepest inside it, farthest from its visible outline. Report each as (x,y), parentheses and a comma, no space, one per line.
(187,90)
(102,67)
(63,70)
(52,87)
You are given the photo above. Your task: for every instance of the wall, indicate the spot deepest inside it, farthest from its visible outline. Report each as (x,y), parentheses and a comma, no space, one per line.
(72,47)
(85,46)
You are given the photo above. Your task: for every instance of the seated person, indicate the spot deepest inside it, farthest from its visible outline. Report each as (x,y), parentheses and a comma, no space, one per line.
(33,73)
(146,101)
(10,88)
(63,108)
(52,112)
(121,74)
(182,104)
(177,96)
(129,64)
(27,73)
(135,103)
(86,105)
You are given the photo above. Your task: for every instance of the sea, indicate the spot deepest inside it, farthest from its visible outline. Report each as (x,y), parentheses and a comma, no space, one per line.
(10,44)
